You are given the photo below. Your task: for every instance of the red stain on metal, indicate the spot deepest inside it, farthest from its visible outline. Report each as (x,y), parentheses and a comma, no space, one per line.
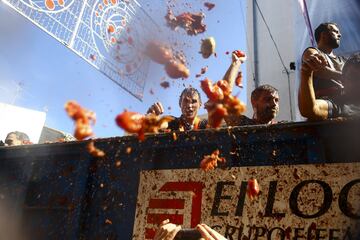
(196,188)
(253,188)
(150,233)
(167,203)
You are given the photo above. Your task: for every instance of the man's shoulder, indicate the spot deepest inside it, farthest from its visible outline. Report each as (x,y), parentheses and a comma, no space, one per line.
(311,50)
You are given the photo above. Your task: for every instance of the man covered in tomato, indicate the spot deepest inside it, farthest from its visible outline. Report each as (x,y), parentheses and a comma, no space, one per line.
(264,99)
(190,103)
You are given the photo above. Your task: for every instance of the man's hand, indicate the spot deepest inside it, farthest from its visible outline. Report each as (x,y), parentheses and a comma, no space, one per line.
(238,60)
(208,233)
(313,62)
(167,231)
(156,108)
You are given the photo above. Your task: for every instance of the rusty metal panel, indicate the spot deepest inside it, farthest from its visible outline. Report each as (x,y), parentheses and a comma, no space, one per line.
(295,201)
(64,193)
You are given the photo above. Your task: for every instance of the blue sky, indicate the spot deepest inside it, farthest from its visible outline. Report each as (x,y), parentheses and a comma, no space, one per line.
(39,73)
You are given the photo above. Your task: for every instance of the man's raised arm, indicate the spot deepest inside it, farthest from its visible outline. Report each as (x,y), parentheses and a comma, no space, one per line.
(232,72)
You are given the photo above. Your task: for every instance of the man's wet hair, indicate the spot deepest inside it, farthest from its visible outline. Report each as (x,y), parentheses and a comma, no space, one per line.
(255,95)
(323,27)
(189,91)
(353,61)
(19,135)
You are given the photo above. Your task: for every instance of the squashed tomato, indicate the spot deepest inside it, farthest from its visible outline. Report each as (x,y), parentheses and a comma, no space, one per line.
(224,86)
(209,5)
(140,124)
(221,104)
(210,162)
(234,105)
(94,151)
(238,80)
(176,69)
(239,53)
(191,22)
(83,120)
(130,121)
(82,117)
(216,115)
(82,130)
(213,92)
(253,189)
(158,52)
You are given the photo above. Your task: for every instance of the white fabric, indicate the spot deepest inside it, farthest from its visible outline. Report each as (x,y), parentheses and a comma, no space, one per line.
(20,119)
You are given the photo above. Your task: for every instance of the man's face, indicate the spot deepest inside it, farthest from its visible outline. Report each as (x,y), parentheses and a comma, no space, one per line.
(352,83)
(333,36)
(267,106)
(190,105)
(12,140)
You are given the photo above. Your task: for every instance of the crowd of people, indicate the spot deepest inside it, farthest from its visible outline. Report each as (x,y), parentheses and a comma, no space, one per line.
(264,101)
